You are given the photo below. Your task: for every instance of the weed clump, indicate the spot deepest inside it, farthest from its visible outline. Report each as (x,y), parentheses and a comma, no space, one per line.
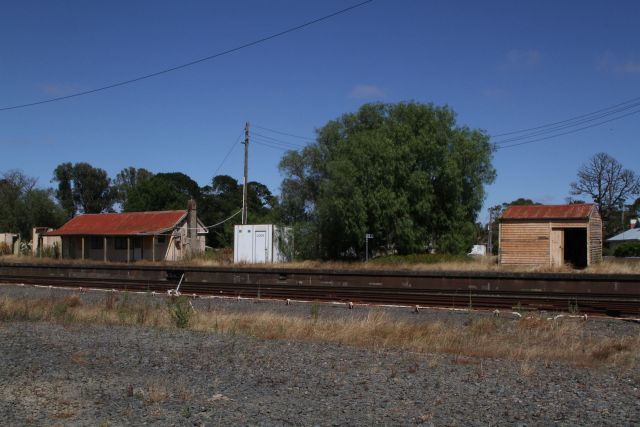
(180,311)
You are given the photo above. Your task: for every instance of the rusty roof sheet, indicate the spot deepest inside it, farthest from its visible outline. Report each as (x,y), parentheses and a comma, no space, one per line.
(574,211)
(120,224)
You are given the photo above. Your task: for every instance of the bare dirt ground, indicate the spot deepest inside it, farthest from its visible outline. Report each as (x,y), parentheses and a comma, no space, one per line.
(71,372)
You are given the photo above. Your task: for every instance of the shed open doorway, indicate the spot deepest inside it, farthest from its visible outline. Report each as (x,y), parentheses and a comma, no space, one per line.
(569,246)
(575,247)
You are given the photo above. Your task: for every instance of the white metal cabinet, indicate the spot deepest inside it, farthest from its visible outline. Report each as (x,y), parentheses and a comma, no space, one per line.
(261,243)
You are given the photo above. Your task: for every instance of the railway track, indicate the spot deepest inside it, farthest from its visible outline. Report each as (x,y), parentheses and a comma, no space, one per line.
(617,295)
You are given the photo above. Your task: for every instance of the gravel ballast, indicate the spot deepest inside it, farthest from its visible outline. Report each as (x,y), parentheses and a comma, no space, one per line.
(83,374)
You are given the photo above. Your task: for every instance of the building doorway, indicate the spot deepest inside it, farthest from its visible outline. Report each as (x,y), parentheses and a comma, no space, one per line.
(575,247)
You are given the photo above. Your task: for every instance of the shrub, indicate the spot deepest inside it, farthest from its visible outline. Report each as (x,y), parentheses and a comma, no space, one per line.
(180,311)
(49,251)
(5,249)
(24,248)
(60,309)
(630,249)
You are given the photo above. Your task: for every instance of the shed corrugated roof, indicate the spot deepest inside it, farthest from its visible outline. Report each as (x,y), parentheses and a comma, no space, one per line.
(120,224)
(575,211)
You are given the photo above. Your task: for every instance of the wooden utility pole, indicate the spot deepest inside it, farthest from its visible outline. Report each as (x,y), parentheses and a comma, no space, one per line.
(245,207)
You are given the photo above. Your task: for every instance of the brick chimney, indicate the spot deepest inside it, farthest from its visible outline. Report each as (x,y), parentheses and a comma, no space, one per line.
(192,225)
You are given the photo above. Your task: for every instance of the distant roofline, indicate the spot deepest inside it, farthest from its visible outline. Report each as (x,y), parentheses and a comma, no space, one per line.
(634,234)
(183,214)
(130,213)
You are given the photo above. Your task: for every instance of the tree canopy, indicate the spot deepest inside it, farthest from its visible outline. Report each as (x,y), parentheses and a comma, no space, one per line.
(223,198)
(127,180)
(23,206)
(406,173)
(609,184)
(83,188)
(155,194)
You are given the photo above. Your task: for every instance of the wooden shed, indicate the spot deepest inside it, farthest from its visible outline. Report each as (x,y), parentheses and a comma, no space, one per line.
(551,235)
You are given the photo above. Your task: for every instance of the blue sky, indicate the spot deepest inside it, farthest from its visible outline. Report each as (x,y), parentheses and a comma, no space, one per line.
(501,66)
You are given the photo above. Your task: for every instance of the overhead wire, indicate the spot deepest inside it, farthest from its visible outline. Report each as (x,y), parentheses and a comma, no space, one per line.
(632,100)
(558,128)
(568,132)
(228,154)
(276,140)
(274,144)
(192,228)
(575,124)
(284,133)
(568,126)
(266,144)
(190,63)
(221,222)
(572,124)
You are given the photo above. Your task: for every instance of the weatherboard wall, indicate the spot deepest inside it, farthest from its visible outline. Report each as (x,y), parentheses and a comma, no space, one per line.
(525,243)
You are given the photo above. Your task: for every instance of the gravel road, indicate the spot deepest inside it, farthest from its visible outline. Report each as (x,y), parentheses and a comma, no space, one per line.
(55,374)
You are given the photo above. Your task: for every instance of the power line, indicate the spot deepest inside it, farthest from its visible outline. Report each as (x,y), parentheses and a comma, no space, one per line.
(568,132)
(272,146)
(571,124)
(285,133)
(268,138)
(189,64)
(223,221)
(278,144)
(632,100)
(206,227)
(228,153)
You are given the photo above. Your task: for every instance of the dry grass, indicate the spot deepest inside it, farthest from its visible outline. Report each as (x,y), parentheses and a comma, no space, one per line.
(526,340)
(64,415)
(79,358)
(156,393)
(480,264)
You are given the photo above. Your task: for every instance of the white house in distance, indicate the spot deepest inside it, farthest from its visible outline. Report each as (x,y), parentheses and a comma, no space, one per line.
(126,237)
(630,235)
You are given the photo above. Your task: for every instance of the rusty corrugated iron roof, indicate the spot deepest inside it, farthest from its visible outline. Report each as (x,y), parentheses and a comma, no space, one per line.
(575,211)
(120,224)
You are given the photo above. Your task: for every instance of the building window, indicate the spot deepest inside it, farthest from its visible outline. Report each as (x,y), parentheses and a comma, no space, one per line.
(121,243)
(97,243)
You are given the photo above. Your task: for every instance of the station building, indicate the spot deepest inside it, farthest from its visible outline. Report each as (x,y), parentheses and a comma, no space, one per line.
(551,235)
(133,236)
